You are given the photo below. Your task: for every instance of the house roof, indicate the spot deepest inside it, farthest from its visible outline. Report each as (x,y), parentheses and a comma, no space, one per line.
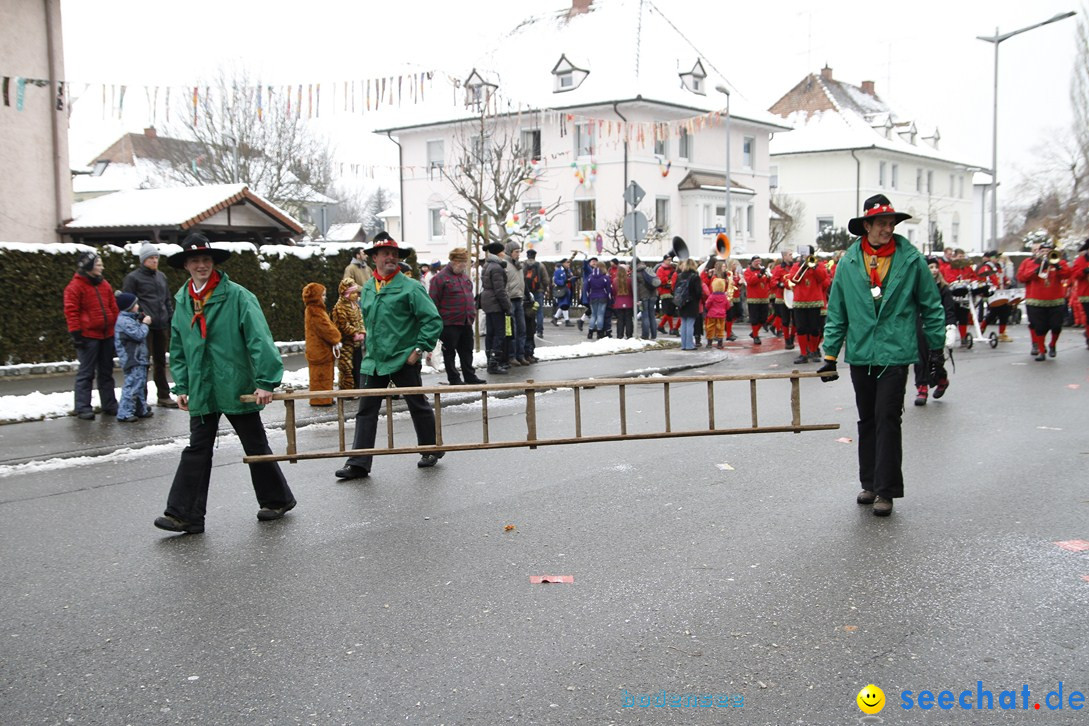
(179,208)
(346,232)
(142,161)
(642,60)
(831,115)
(710,181)
(148,145)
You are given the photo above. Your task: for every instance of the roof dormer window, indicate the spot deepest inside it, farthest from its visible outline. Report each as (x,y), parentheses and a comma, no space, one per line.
(567,76)
(693,80)
(478,92)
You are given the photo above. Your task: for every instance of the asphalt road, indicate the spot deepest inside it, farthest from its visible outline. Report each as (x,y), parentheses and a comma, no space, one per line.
(727,565)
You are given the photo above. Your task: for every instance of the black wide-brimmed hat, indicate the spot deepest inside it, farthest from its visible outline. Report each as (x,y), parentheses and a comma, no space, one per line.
(382,241)
(197,243)
(876,206)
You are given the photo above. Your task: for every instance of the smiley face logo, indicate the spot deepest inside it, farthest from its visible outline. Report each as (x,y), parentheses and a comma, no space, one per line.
(871,699)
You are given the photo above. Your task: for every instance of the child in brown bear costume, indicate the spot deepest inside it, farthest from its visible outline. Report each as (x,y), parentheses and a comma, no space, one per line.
(322,342)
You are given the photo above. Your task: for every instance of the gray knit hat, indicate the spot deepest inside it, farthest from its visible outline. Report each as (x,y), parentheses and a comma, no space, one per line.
(148,250)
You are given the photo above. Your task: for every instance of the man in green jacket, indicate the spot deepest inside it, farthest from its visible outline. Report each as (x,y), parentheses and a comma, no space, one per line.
(402,324)
(220,348)
(881,287)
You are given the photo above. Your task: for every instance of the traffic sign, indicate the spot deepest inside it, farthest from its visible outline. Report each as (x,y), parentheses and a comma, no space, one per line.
(635,226)
(634,194)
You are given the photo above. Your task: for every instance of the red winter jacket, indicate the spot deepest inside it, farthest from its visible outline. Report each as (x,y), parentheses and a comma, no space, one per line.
(810,290)
(1043,291)
(90,309)
(759,284)
(1079,274)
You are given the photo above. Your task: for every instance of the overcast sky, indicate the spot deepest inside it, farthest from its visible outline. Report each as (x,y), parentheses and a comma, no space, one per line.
(923,55)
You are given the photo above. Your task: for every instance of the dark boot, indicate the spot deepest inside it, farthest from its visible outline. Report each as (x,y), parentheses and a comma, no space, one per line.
(590,335)
(472,377)
(789,342)
(453,378)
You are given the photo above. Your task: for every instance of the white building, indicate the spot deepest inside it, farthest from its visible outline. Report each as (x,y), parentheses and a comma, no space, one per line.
(848,144)
(35,186)
(571,100)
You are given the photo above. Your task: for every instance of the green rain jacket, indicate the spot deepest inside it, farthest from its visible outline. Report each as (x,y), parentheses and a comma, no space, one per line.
(238,356)
(398,318)
(882,332)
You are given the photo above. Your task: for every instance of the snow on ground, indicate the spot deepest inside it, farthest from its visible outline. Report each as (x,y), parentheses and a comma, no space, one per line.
(126,454)
(37,406)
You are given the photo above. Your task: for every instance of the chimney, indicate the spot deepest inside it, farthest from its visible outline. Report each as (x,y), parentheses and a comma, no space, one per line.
(578,7)
(826,73)
(867,88)
(150,132)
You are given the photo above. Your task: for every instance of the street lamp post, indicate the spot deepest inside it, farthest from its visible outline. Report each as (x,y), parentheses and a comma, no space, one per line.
(997,39)
(729,227)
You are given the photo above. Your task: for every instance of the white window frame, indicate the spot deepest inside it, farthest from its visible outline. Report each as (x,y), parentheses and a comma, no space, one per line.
(919,179)
(750,221)
(684,145)
(929,182)
(748,151)
(584,132)
(436,227)
(579,214)
(435,166)
(661,213)
(532,152)
(773,176)
(894,177)
(661,148)
(825,222)
(881,174)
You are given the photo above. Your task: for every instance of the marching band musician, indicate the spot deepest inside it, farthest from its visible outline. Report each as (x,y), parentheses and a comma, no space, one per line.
(1079,274)
(783,321)
(959,270)
(734,282)
(758,282)
(808,279)
(1043,275)
(990,270)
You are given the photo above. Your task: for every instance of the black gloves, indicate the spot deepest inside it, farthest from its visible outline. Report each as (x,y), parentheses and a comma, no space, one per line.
(77,338)
(828,368)
(935,368)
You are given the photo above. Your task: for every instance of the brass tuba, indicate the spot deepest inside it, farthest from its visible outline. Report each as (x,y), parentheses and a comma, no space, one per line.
(680,249)
(722,246)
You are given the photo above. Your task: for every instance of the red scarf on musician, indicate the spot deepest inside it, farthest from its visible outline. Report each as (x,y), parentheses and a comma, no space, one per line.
(884,250)
(199,299)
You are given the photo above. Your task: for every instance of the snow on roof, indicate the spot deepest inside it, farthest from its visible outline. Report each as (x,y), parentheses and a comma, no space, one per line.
(171,207)
(834,131)
(630,49)
(344,231)
(393,212)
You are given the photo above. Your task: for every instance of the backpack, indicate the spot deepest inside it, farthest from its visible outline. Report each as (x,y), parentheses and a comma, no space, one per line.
(533,277)
(682,293)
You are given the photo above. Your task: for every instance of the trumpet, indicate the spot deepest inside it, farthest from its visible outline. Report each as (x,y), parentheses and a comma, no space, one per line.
(810,263)
(1050,261)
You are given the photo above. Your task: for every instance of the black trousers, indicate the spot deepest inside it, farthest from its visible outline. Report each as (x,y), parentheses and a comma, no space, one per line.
(879,397)
(495,335)
(1043,319)
(783,313)
(807,321)
(758,313)
(457,344)
(188,497)
(158,343)
(95,368)
(366,420)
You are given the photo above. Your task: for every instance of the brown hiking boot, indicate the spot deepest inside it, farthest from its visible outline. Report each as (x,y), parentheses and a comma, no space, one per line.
(882,507)
(865,497)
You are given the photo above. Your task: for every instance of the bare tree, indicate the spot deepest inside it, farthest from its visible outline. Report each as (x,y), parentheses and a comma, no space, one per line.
(614,243)
(492,174)
(241,132)
(790,210)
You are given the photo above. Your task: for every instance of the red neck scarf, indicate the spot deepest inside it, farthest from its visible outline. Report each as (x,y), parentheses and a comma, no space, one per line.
(884,250)
(199,299)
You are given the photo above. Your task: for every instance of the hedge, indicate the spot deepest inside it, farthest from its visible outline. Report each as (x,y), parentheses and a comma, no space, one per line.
(33,278)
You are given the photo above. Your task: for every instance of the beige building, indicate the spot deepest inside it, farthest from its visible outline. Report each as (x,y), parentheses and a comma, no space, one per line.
(35,187)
